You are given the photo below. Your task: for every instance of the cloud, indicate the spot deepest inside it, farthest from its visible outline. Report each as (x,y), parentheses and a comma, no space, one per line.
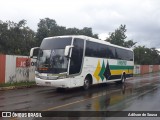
(141,17)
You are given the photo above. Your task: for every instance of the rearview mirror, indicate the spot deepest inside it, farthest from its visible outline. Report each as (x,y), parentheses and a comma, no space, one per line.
(34,52)
(67,50)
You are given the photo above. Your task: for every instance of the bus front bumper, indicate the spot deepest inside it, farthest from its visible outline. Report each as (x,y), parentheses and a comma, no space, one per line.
(59,83)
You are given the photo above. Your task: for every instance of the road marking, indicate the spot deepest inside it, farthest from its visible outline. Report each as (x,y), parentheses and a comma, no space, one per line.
(52,108)
(64,105)
(78,101)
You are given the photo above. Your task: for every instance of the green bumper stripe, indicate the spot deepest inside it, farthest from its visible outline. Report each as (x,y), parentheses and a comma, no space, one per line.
(116,67)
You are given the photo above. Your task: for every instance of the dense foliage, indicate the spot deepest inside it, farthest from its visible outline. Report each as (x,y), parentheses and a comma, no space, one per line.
(142,55)
(18,39)
(118,37)
(146,56)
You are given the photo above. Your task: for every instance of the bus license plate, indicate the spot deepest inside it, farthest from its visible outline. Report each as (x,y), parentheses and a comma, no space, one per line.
(48,83)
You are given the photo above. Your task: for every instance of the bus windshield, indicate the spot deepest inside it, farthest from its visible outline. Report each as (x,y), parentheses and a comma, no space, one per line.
(51,57)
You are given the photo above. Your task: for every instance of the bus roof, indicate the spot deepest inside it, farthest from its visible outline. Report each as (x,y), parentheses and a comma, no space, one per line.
(90,39)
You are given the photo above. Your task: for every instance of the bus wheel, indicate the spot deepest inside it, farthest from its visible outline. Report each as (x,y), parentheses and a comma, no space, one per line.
(87,84)
(123,78)
(60,89)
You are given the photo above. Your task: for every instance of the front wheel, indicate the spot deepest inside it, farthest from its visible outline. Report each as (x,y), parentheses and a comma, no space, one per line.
(87,84)
(61,89)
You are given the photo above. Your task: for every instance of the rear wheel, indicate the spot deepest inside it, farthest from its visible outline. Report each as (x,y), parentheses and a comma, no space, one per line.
(87,84)
(123,78)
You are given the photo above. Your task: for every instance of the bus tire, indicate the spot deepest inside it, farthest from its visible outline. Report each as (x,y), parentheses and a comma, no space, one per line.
(122,81)
(87,83)
(60,89)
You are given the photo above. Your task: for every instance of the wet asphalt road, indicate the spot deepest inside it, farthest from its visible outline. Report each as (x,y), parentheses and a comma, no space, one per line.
(140,93)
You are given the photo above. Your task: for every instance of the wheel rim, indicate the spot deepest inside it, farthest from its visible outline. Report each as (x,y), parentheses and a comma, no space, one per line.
(86,84)
(123,79)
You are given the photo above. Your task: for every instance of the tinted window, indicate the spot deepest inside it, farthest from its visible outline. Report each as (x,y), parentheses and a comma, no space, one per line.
(91,49)
(111,52)
(124,54)
(105,51)
(99,50)
(130,55)
(55,43)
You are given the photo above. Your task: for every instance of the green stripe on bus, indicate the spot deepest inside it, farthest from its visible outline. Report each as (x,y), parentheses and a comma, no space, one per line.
(116,67)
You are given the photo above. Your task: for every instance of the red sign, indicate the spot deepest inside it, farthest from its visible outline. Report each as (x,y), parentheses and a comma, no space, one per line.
(23,62)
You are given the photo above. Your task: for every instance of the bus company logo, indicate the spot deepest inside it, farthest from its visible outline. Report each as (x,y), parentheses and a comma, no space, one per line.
(102,72)
(122,62)
(6,114)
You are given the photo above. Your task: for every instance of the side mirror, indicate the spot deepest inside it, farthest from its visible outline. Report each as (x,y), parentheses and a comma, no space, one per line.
(67,50)
(34,52)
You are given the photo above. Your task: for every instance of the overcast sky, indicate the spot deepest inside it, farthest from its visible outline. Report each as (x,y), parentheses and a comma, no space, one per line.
(141,17)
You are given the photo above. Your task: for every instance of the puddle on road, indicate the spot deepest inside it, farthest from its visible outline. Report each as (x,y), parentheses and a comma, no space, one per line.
(121,99)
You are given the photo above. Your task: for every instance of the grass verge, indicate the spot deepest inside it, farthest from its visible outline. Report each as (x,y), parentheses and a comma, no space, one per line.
(22,83)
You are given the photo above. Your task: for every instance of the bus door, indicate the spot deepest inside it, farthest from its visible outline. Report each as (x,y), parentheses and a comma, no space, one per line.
(76,56)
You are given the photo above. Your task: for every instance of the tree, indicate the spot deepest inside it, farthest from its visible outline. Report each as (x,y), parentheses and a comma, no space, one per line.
(146,56)
(129,43)
(16,38)
(45,26)
(3,36)
(48,27)
(118,37)
(88,32)
(72,31)
(85,31)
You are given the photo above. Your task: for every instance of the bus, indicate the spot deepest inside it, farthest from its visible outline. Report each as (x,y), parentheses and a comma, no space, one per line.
(78,60)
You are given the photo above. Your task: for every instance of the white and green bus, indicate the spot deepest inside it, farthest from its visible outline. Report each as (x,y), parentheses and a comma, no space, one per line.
(74,61)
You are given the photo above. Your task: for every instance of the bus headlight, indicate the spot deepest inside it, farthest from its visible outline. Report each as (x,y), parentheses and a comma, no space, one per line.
(62,77)
(37,74)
